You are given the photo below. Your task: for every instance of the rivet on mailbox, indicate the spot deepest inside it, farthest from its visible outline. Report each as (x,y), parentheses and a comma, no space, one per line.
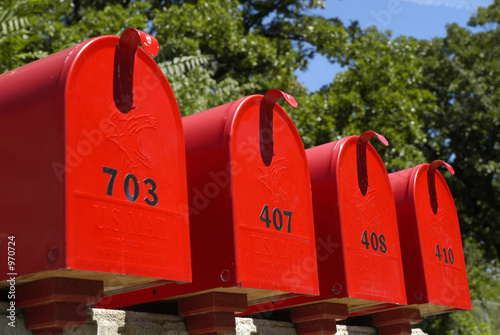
(358,253)
(431,244)
(93,174)
(252,231)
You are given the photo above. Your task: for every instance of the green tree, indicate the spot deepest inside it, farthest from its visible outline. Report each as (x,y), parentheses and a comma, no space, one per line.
(258,46)
(255,44)
(380,89)
(16,38)
(464,77)
(433,99)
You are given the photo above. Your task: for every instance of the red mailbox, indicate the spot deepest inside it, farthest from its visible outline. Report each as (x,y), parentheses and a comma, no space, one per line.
(354,206)
(93,167)
(431,244)
(251,220)
(359,258)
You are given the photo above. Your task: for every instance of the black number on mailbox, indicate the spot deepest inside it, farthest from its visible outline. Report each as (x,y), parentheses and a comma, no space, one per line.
(448,256)
(151,199)
(112,172)
(374,245)
(264,216)
(151,191)
(126,186)
(289,214)
(277,218)
(377,243)
(437,252)
(364,240)
(383,247)
(280,225)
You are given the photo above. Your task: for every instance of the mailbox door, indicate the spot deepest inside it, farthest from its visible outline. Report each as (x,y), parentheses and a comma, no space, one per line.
(440,243)
(372,255)
(272,206)
(125,172)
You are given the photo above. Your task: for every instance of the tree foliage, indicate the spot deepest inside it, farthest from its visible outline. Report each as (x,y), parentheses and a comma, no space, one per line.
(464,76)
(432,99)
(16,37)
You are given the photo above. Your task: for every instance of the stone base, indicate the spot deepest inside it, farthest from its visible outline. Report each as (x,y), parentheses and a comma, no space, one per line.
(117,322)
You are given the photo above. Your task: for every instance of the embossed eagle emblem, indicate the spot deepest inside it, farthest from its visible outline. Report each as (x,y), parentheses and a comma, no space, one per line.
(440,223)
(271,176)
(128,134)
(369,209)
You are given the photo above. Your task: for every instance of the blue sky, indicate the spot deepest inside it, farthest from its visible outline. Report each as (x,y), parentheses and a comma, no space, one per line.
(422,19)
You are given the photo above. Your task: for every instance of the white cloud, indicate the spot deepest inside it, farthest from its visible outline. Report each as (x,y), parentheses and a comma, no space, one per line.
(459,4)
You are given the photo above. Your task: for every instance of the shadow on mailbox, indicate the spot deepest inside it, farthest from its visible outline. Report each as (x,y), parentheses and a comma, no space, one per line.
(431,244)
(93,174)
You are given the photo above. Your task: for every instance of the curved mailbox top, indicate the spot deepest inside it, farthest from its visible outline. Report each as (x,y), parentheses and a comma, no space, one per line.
(110,157)
(250,208)
(250,198)
(355,215)
(272,208)
(431,242)
(130,183)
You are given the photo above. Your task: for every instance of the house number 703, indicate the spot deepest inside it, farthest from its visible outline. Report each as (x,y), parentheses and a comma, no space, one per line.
(132,193)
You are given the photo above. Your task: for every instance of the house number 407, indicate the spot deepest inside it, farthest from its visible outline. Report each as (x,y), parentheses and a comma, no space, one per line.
(276,218)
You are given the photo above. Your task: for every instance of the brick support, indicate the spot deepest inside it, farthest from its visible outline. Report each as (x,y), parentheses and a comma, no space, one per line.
(56,303)
(396,321)
(211,313)
(318,319)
